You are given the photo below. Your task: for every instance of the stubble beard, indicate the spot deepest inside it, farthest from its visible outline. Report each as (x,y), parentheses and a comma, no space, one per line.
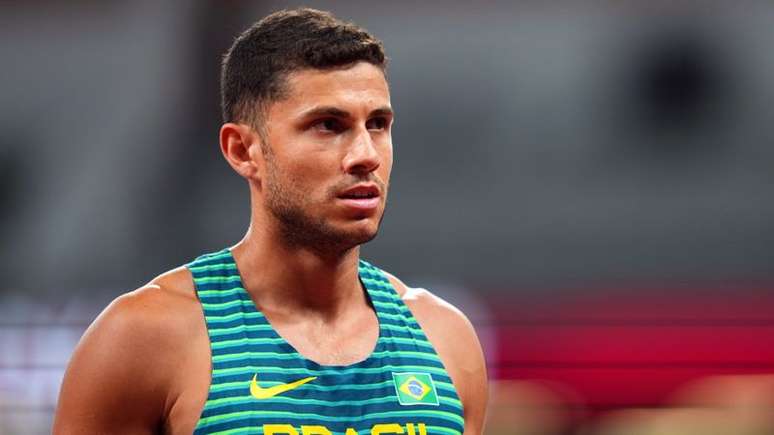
(287,202)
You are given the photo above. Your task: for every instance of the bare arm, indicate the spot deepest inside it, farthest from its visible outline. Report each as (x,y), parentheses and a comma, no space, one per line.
(455,340)
(114,382)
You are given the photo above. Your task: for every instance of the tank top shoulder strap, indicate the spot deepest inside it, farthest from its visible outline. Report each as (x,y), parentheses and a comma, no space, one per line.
(389,306)
(219,288)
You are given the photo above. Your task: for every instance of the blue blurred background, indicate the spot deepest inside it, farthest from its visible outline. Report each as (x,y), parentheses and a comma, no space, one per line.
(556,165)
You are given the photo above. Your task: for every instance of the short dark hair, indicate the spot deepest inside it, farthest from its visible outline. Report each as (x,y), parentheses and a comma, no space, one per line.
(255,68)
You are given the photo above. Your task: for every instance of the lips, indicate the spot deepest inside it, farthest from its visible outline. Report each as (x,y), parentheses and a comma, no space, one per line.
(361,191)
(363,197)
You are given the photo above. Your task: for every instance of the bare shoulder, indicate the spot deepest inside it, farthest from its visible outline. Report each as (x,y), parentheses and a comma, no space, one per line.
(163,309)
(454,339)
(173,291)
(127,356)
(434,313)
(156,312)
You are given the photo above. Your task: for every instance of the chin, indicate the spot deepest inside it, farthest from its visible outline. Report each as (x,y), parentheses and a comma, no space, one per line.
(364,235)
(364,231)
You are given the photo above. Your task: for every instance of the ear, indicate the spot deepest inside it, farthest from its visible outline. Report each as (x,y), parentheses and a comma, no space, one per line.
(236,141)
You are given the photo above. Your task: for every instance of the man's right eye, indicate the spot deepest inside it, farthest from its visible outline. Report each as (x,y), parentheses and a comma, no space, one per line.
(329,125)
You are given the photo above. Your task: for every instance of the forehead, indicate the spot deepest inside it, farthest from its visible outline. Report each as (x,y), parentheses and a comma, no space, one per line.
(360,86)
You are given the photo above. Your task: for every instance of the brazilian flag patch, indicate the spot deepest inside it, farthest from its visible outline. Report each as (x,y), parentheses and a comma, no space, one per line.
(415,389)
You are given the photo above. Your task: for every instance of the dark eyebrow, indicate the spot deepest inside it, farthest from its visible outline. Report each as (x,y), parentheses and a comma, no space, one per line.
(326,111)
(338,113)
(382,111)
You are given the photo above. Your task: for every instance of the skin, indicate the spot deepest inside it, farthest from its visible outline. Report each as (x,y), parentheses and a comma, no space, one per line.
(144,367)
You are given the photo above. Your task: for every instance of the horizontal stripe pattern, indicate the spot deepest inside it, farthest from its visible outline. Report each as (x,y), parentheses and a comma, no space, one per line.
(440,430)
(357,396)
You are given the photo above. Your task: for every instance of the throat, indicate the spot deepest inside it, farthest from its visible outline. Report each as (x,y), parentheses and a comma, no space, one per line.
(298,281)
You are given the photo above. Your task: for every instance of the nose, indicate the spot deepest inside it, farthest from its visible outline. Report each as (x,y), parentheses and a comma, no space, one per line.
(362,157)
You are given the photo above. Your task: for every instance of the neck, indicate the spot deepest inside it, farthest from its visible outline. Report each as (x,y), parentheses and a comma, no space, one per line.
(285,278)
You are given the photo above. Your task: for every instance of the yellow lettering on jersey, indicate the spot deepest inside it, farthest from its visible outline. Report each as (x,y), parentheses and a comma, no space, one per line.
(377,429)
(277,429)
(315,430)
(383,429)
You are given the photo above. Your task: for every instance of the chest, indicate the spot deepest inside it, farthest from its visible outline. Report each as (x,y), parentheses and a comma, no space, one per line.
(341,344)
(391,388)
(400,386)
(376,374)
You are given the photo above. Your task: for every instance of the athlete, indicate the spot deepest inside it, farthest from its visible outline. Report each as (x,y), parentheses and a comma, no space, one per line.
(287,332)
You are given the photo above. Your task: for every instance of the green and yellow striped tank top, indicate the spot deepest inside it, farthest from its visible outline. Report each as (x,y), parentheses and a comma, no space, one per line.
(261,385)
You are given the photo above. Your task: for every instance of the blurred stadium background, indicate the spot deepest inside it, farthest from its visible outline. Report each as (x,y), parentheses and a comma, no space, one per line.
(591,184)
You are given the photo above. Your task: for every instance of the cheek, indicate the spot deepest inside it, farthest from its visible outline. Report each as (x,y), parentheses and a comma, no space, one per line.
(311,179)
(386,170)
(386,167)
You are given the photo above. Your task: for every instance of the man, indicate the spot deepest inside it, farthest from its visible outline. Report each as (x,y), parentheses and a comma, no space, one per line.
(287,332)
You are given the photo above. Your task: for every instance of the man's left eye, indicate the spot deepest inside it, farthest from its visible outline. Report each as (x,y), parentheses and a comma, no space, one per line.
(376,124)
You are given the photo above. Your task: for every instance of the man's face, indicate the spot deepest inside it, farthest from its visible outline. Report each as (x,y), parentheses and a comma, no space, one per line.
(328,155)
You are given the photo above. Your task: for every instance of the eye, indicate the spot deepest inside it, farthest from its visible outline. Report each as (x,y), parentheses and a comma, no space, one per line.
(329,125)
(379,123)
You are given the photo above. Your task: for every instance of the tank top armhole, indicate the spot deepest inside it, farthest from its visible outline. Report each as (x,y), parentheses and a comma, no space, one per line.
(411,322)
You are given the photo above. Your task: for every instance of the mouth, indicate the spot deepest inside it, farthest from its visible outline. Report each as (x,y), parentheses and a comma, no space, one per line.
(361,196)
